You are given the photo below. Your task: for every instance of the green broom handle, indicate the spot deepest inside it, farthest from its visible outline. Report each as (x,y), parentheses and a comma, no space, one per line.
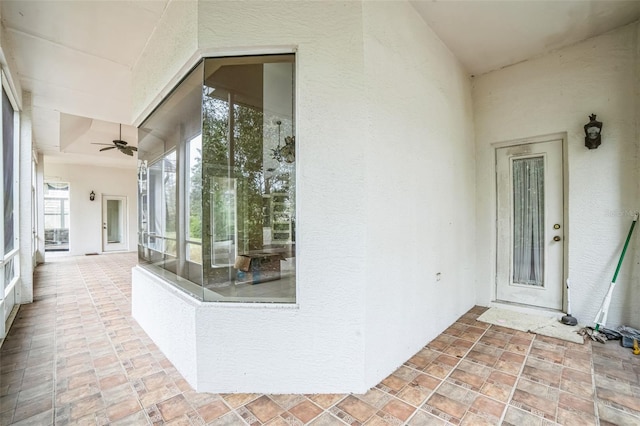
(626,243)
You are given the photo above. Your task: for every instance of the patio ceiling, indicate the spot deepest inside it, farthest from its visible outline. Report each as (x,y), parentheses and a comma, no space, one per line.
(76,57)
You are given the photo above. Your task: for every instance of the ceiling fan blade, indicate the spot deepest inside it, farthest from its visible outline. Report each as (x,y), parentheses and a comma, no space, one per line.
(107,148)
(133,148)
(126,151)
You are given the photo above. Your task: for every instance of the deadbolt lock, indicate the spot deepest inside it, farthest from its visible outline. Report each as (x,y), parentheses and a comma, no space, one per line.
(556,226)
(556,238)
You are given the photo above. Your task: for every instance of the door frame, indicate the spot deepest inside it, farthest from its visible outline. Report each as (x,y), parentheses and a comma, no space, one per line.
(124,245)
(565,211)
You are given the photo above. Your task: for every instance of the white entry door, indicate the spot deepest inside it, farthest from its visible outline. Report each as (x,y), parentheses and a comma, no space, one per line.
(530,244)
(114,223)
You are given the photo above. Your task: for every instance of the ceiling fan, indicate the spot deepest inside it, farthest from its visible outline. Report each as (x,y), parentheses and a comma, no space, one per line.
(121,145)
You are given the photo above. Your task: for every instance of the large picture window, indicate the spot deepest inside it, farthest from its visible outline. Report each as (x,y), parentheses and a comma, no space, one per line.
(217,181)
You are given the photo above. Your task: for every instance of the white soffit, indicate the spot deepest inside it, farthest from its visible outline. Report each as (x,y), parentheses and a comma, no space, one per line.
(488,35)
(76,57)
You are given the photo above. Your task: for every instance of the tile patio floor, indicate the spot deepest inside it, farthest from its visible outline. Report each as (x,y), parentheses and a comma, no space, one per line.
(75,356)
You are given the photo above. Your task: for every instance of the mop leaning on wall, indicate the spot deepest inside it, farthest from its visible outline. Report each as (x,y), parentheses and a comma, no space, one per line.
(600,333)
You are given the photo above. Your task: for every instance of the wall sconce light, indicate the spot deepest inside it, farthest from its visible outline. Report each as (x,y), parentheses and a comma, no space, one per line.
(592,132)
(92,196)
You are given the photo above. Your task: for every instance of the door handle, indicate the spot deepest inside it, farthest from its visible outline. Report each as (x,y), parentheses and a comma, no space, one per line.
(556,238)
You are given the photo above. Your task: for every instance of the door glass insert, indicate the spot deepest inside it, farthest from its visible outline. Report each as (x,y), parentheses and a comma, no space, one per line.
(114,228)
(528,221)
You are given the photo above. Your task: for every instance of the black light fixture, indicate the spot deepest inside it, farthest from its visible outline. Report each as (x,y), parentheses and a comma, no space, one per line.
(287,152)
(592,132)
(92,196)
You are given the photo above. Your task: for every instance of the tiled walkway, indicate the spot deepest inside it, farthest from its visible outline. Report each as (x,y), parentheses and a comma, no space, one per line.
(75,356)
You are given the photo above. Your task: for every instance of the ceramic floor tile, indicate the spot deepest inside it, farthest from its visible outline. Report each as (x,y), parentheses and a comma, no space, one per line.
(375,397)
(473,333)
(510,363)
(571,402)
(495,339)
(455,329)
(542,372)
(86,406)
(327,419)
(450,400)
(123,409)
(356,408)
(425,382)
(76,356)
(535,398)
(32,407)
(264,408)
(470,375)
(578,360)
(458,348)
(306,411)
(576,382)
(441,342)
(422,418)
(236,400)
(441,366)
(573,418)
(625,402)
(481,357)
(499,386)
(423,358)
(517,417)
(487,409)
(392,384)
(413,395)
(610,415)
(396,411)
(285,419)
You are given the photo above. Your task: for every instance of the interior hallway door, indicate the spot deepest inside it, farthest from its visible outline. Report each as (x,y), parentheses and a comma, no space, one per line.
(114,223)
(530,228)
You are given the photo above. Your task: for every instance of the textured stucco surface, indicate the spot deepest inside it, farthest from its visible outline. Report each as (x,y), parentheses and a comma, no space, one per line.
(379,212)
(169,318)
(172,44)
(556,93)
(318,345)
(419,186)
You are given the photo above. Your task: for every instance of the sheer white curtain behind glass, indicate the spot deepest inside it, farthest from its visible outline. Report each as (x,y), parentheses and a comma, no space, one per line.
(113,221)
(528,221)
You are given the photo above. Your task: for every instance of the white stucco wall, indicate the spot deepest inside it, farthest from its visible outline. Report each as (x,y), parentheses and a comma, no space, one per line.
(169,318)
(317,345)
(420,189)
(556,93)
(173,42)
(85,231)
(385,198)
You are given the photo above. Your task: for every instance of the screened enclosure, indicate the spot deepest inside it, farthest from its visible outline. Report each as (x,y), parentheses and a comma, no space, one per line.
(216,182)
(56,216)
